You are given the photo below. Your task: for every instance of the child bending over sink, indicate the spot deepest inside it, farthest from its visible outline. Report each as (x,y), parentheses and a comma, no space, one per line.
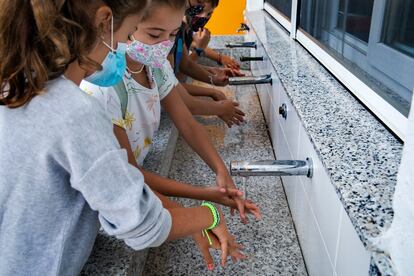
(134,106)
(63,174)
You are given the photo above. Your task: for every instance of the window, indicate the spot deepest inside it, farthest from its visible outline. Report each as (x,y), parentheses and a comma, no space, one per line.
(284,6)
(371,41)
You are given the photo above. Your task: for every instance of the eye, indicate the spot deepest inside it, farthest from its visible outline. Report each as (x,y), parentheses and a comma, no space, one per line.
(154,36)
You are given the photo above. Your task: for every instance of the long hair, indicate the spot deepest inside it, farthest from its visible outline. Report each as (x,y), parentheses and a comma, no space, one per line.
(40,38)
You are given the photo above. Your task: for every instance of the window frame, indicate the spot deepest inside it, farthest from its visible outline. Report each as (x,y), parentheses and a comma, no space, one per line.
(383,110)
(381,55)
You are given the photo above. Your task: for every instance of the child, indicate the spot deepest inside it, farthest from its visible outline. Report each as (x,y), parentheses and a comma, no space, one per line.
(62,173)
(184,64)
(198,37)
(134,104)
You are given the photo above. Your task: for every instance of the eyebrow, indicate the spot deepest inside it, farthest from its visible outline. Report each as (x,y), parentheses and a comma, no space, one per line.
(161,29)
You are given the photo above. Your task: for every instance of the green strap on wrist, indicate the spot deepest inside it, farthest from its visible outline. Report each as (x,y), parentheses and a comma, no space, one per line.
(214,212)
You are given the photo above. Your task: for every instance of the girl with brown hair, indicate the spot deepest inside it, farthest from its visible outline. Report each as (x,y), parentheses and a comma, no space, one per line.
(62,173)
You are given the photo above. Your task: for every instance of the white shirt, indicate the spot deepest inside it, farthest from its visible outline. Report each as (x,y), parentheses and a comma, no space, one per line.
(143,112)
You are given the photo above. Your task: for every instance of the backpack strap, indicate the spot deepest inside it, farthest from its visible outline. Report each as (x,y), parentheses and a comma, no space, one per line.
(123,96)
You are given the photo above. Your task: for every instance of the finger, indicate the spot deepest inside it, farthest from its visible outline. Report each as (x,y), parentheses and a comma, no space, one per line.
(254,210)
(235,103)
(239,117)
(208,259)
(240,207)
(224,252)
(232,211)
(238,111)
(232,192)
(235,121)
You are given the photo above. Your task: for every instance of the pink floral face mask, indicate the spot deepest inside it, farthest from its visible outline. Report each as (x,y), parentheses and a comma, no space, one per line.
(150,55)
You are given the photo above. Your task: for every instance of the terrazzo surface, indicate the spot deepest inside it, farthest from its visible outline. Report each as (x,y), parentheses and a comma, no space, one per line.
(270,244)
(360,155)
(111,256)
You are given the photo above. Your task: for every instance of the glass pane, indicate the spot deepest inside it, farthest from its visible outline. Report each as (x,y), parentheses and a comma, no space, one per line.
(284,6)
(343,27)
(398,31)
(358,16)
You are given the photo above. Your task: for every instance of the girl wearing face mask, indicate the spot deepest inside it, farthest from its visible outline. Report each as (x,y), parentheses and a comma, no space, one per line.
(149,83)
(62,173)
(197,14)
(198,37)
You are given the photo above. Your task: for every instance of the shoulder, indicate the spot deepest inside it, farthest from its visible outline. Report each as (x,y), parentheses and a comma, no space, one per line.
(72,104)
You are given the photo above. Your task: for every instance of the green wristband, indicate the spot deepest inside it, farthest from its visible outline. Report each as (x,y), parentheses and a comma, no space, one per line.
(214,212)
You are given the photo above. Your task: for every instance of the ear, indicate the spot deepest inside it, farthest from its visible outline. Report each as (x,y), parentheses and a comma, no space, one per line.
(103,17)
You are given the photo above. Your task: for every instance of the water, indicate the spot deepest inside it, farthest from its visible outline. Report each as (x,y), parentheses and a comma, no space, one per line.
(244,186)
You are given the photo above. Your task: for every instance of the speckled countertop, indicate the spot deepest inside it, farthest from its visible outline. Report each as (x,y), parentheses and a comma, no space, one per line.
(360,155)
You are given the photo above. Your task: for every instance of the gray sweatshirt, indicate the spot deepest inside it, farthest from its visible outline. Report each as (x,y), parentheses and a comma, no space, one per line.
(62,175)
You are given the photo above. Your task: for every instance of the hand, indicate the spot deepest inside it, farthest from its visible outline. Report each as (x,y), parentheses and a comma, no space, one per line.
(230,113)
(229,62)
(204,246)
(201,38)
(217,95)
(228,243)
(226,197)
(224,180)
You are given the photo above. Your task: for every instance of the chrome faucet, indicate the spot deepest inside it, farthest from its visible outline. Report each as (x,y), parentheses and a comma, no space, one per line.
(272,168)
(247,44)
(243,27)
(248,80)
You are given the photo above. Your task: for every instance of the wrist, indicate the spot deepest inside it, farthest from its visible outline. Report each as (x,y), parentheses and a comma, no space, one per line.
(215,212)
(220,59)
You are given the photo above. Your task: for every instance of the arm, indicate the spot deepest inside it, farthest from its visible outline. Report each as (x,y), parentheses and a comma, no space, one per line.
(195,90)
(224,60)
(169,187)
(195,71)
(227,110)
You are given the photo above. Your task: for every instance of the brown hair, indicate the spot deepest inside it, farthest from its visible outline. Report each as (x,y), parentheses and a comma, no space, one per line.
(40,38)
(177,4)
(214,3)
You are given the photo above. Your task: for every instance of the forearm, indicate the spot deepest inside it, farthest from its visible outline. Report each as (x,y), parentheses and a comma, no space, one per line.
(196,105)
(195,90)
(197,138)
(169,187)
(213,55)
(193,70)
(188,221)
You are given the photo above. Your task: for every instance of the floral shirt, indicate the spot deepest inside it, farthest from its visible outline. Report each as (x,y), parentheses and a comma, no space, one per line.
(143,111)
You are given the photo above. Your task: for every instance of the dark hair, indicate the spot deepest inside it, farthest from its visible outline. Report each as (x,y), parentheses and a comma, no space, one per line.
(177,4)
(214,3)
(40,38)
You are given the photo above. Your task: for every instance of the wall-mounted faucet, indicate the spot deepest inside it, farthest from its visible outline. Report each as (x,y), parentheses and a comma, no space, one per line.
(243,27)
(272,168)
(250,80)
(250,44)
(243,58)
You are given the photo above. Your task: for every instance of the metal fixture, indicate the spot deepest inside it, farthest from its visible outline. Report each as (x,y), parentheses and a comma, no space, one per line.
(272,168)
(283,110)
(242,58)
(243,27)
(250,80)
(250,44)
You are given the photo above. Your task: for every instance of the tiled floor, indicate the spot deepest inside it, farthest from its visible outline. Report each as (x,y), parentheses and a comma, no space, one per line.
(271,244)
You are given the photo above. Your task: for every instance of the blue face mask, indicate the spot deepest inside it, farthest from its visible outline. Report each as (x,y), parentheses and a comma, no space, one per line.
(113,66)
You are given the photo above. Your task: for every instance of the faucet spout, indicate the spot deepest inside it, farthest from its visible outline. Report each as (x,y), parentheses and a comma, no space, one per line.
(272,168)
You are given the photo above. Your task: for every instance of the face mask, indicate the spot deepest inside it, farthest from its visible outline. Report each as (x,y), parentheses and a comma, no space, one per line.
(194,10)
(197,22)
(113,66)
(151,55)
